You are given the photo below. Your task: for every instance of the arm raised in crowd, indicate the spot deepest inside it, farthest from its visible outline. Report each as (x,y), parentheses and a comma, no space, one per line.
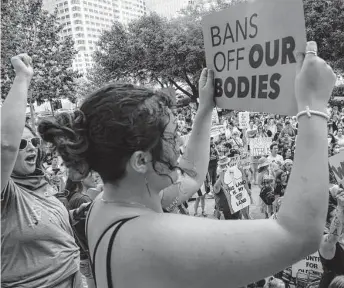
(329,241)
(196,156)
(13,115)
(200,252)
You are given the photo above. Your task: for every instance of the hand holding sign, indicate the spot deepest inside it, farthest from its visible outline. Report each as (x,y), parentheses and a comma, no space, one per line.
(206,89)
(314,80)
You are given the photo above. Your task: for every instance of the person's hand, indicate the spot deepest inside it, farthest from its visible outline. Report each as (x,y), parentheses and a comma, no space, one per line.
(314,80)
(206,89)
(22,65)
(81,212)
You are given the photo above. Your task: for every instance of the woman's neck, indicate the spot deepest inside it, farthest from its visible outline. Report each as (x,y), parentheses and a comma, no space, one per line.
(128,192)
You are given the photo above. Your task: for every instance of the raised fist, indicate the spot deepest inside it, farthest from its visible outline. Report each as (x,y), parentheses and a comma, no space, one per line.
(22,65)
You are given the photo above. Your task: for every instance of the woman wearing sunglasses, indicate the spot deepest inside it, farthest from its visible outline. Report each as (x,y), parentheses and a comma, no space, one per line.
(38,247)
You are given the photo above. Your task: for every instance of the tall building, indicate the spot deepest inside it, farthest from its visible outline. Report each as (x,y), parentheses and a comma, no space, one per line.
(167,8)
(85,21)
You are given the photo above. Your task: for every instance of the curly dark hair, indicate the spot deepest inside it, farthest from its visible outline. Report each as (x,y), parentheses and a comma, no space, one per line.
(73,187)
(112,123)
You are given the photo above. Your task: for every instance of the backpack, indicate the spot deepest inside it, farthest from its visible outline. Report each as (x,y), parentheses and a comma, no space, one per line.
(267,195)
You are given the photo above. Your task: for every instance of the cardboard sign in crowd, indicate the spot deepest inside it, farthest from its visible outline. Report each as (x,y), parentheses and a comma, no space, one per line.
(244,120)
(337,166)
(251,48)
(235,190)
(260,146)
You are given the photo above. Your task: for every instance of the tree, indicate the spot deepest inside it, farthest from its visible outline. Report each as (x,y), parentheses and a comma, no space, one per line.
(324,24)
(156,50)
(26,27)
(166,52)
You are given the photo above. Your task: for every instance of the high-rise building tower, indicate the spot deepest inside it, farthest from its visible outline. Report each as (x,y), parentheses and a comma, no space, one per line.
(85,20)
(167,8)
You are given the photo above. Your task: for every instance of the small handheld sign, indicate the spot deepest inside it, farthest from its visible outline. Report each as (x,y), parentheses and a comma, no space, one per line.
(251,48)
(244,120)
(337,166)
(235,191)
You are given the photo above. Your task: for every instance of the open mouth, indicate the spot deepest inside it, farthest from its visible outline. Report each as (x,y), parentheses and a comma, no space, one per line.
(31,159)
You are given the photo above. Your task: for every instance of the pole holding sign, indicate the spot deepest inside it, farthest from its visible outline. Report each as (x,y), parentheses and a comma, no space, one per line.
(251,48)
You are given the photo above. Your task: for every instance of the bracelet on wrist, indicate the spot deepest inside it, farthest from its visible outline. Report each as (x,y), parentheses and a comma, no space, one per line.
(309,113)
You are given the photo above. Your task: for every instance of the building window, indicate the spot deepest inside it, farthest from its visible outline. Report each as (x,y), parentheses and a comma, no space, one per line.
(75,1)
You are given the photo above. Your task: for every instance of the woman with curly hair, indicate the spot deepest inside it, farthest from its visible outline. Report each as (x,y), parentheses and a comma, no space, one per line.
(128,135)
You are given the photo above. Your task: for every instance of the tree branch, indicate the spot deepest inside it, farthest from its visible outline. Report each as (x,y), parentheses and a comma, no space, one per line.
(181,89)
(193,88)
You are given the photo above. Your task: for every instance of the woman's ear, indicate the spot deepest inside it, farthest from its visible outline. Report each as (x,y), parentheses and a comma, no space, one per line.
(139,161)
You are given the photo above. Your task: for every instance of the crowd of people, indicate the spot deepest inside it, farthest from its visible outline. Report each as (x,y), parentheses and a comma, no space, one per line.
(97,192)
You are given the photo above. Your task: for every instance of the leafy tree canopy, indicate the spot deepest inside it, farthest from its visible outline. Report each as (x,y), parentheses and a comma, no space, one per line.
(27,28)
(156,50)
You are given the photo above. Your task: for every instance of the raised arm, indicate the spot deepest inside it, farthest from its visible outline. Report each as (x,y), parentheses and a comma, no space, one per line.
(13,115)
(329,241)
(184,248)
(198,147)
(196,155)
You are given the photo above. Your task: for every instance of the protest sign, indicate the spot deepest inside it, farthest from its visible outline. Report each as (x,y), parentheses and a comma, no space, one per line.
(337,166)
(244,120)
(311,264)
(245,160)
(234,161)
(251,47)
(235,190)
(217,130)
(260,146)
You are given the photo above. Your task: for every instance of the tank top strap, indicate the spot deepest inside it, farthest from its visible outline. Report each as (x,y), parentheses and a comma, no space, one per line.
(109,251)
(108,257)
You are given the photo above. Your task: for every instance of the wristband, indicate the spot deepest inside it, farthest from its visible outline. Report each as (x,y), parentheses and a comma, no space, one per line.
(309,113)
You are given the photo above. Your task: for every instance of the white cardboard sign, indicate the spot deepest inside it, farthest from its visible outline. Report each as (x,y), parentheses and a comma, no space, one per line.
(251,48)
(337,166)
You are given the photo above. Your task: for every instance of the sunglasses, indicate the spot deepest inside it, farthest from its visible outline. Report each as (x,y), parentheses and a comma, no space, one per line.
(36,142)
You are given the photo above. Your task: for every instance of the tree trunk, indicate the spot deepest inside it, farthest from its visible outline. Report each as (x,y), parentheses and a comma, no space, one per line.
(51,107)
(32,112)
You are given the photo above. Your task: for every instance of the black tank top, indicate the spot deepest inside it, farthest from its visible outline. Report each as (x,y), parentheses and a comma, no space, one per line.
(333,267)
(119,224)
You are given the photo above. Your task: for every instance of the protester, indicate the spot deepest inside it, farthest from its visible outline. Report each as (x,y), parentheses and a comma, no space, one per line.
(214,156)
(132,188)
(222,202)
(201,193)
(274,283)
(38,247)
(266,185)
(76,197)
(340,139)
(332,246)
